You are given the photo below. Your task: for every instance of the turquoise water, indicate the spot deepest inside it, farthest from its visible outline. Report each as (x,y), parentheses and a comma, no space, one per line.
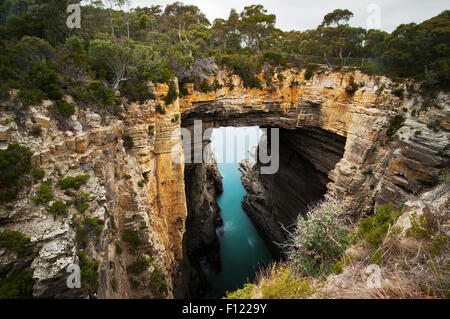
(242,250)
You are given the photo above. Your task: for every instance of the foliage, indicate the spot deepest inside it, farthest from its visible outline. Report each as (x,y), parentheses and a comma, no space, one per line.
(89,274)
(132,238)
(58,208)
(44,194)
(374,228)
(278,282)
(395,124)
(73,182)
(171,94)
(159,109)
(36,130)
(319,238)
(128,142)
(352,86)
(139,265)
(15,241)
(86,229)
(81,202)
(38,172)
(65,109)
(17,284)
(158,282)
(15,162)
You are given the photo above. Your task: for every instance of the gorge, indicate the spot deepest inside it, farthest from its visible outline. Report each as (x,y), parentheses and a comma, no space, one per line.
(332,142)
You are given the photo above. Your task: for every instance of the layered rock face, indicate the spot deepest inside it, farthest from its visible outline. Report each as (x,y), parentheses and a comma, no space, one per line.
(333,140)
(137,192)
(274,200)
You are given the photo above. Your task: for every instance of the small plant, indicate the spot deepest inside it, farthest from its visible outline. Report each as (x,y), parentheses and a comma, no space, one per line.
(151,130)
(128,142)
(310,67)
(73,182)
(58,208)
(44,194)
(373,229)
(141,183)
(172,95)
(15,241)
(119,249)
(86,229)
(36,130)
(38,173)
(158,282)
(82,202)
(17,284)
(139,266)
(114,283)
(204,86)
(435,125)
(395,124)
(65,109)
(159,109)
(131,238)
(352,86)
(319,239)
(399,92)
(89,273)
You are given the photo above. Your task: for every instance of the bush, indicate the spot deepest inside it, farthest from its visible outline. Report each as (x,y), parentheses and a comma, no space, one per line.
(87,229)
(30,97)
(15,162)
(310,67)
(101,95)
(319,239)
(131,238)
(204,86)
(136,91)
(159,109)
(128,142)
(395,124)
(172,95)
(352,87)
(44,195)
(373,229)
(15,241)
(36,130)
(435,125)
(65,109)
(158,283)
(73,182)
(274,58)
(18,284)
(81,202)
(89,273)
(139,266)
(58,208)
(38,173)
(398,92)
(151,130)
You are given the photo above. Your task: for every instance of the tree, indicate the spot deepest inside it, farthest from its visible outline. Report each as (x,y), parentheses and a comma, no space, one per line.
(256,26)
(338,17)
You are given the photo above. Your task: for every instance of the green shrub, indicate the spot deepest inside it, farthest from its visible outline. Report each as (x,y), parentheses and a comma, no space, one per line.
(58,208)
(373,229)
(18,284)
(151,130)
(398,92)
(114,283)
(65,109)
(204,86)
(89,275)
(30,97)
(132,238)
(119,249)
(87,229)
(81,202)
(38,173)
(158,283)
(136,91)
(274,58)
(435,125)
(44,195)
(319,239)
(128,142)
(101,95)
(15,162)
(15,241)
(139,266)
(159,109)
(172,95)
(352,87)
(395,124)
(310,68)
(73,182)
(36,130)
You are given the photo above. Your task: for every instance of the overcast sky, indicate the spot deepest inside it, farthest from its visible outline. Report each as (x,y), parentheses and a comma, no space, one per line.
(307,14)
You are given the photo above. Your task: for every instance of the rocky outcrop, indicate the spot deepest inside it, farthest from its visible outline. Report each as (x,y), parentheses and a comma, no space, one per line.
(332,140)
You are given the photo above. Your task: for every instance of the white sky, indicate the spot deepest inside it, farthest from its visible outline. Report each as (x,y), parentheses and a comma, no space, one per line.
(308,14)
